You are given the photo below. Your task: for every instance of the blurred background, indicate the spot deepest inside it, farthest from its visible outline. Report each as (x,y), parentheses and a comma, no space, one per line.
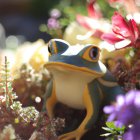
(21,19)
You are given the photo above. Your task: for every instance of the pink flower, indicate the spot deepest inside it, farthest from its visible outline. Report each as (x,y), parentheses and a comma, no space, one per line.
(125,33)
(130,6)
(90,22)
(112,1)
(92,10)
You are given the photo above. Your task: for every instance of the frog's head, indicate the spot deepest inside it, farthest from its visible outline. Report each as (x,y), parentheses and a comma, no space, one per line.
(81,59)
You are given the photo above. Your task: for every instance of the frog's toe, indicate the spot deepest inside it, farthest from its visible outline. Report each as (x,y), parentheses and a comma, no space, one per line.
(67,136)
(74,135)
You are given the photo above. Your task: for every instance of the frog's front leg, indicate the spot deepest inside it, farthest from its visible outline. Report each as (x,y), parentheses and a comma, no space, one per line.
(51,99)
(91,103)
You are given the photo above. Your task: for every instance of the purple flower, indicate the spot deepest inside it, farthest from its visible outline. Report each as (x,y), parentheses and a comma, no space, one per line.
(55,13)
(133,133)
(53,23)
(126,110)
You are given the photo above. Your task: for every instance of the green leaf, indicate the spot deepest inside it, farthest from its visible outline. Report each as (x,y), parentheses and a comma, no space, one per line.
(43,28)
(120,128)
(106,134)
(111,125)
(107,129)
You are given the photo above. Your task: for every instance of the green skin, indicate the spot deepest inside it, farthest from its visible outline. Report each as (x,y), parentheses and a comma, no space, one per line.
(103,89)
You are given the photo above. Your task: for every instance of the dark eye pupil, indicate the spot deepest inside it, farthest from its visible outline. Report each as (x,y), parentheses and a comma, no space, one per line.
(49,49)
(94,53)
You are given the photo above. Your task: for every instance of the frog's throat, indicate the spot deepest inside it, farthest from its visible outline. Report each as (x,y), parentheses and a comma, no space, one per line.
(53,65)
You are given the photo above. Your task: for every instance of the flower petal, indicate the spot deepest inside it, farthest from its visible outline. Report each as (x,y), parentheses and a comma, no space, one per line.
(130,97)
(108,109)
(88,23)
(120,26)
(92,12)
(137,100)
(134,29)
(110,38)
(111,117)
(118,124)
(120,100)
(82,20)
(112,1)
(133,133)
(122,44)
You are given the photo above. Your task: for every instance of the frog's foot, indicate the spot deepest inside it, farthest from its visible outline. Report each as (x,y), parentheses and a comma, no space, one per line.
(74,135)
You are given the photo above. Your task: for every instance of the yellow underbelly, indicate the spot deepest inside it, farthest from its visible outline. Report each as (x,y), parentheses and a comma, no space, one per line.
(69,88)
(70,94)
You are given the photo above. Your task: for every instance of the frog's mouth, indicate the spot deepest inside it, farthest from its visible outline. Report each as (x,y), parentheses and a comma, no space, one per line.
(68,67)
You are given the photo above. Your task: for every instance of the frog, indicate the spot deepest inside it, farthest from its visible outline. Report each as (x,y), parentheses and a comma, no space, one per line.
(80,81)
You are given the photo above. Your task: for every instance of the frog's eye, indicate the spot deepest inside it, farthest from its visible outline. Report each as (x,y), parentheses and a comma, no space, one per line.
(91,53)
(57,46)
(52,48)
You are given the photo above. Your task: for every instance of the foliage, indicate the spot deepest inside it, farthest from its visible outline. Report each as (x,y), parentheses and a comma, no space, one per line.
(72,9)
(11,111)
(104,8)
(56,25)
(17,120)
(30,86)
(8,133)
(41,8)
(5,84)
(126,111)
(47,129)
(113,131)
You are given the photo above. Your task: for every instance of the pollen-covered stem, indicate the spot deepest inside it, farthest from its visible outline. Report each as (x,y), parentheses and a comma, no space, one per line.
(7,92)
